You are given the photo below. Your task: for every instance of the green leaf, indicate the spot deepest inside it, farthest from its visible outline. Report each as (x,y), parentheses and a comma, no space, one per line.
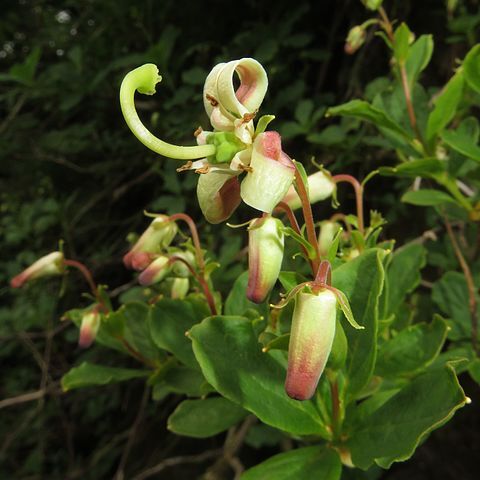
(401,45)
(419,55)
(232,361)
(169,321)
(446,105)
(89,374)
(302,463)
(25,72)
(425,167)
(187,381)
(364,111)
(471,66)
(290,232)
(412,349)
(450,293)
(392,432)
(462,144)
(427,197)
(361,280)
(402,276)
(262,123)
(205,418)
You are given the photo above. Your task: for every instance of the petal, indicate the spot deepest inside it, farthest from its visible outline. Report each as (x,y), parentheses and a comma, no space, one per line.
(218,194)
(271,176)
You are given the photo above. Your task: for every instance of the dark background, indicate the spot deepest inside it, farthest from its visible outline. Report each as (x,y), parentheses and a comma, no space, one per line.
(70,169)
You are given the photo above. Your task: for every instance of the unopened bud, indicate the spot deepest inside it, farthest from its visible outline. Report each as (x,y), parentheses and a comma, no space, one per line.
(271,175)
(155,272)
(355,39)
(311,338)
(156,238)
(89,328)
(265,255)
(49,265)
(328,230)
(320,187)
(179,288)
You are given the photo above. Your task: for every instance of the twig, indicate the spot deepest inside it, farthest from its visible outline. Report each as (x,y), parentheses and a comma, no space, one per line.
(170,462)
(119,475)
(29,397)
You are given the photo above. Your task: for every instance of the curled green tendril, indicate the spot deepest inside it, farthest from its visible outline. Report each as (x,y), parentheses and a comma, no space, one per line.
(144,79)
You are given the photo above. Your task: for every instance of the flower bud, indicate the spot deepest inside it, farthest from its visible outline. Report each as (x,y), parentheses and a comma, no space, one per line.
(311,338)
(155,272)
(328,230)
(355,39)
(179,288)
(89,328)
(179,269)
(218,194)
(271,175)
(49,265)
(320,187)
(156,237)
(265,255)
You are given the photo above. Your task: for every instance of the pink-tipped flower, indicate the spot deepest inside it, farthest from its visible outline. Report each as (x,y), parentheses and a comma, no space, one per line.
(89,327)
(355,39)
(49,265)
(156,237)
(271,173)
(155,272)
(311,338)
(265,255)
(218,194)
(320,187)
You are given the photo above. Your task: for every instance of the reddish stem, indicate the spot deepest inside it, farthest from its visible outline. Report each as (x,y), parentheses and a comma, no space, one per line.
(340,217)
(324,274)
(136,354)
(196,241)
(86,274)
(308,217)
(358,196)
(335,406)
(201,280)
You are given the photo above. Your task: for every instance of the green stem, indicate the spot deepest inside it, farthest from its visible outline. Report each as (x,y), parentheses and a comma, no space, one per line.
(144,79)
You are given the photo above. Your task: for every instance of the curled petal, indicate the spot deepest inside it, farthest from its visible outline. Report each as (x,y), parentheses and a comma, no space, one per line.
(311,338)
(320,187)
(271,175)
(210,100)
(265,255)
(155,272)
(156,237)
(49,265)
(218,194)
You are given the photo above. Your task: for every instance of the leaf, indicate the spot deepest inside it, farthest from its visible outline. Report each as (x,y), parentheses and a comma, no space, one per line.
(89,374)
(450,293)
(427,197)
(290,232)
(446,105)
(302,463)
(364,111)
(187,381)
(332,135)
(205,418)
(402,276)
(462,144)
(169,321)
(471,67)
(232,361)
(25,72)
(411,349)
(393,431)
(425,167)
(361,280)
(419,55)
(401,45)
(303,112)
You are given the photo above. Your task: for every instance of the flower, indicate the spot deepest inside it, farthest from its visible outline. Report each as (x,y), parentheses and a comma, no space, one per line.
(156,237)
(311,338)
(155,272)
(89,327)
(265,255)
(48,265)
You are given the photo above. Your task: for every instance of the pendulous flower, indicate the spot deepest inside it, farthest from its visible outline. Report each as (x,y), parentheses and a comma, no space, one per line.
(265,255)
(89,327)
(311,338)
(49,265)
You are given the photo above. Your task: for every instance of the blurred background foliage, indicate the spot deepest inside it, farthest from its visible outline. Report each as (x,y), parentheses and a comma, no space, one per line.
(70,169)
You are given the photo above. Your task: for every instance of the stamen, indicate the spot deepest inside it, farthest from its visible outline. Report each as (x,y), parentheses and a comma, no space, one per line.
(186,166)
(213,101)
